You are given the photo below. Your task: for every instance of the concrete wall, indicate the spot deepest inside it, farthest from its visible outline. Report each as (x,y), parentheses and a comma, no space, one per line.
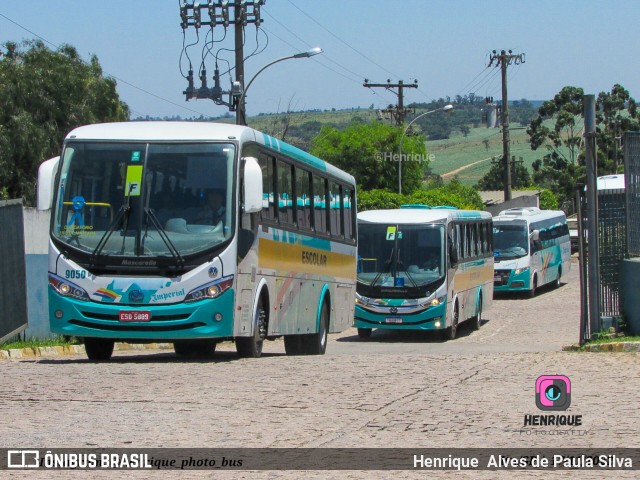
(36,244)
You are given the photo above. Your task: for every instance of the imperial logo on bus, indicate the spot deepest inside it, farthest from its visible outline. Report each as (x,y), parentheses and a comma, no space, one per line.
(134,316)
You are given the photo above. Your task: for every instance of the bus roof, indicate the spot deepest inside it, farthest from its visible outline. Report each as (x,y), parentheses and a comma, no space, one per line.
(419,215)
(528,214)
(200,131)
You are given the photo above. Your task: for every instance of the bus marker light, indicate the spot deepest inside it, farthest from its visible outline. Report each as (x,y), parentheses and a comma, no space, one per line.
(218,317)
(59,313)
(437,324)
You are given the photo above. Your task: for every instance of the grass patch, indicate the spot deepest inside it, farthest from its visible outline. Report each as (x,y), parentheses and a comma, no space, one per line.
(34,343)
(600,341)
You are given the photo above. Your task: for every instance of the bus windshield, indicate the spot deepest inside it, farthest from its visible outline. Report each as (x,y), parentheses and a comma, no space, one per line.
(400,256)
(144,199)
(510,240)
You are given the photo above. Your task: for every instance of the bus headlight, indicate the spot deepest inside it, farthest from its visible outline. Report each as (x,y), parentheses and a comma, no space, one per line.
(437,301)
(360,300)
(67,289)
(518,271)
(210,290)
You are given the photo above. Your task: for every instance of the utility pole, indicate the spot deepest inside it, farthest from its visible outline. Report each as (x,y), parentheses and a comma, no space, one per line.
(239,47)
(593,261)
(212,13)
(399,112)
(503,60)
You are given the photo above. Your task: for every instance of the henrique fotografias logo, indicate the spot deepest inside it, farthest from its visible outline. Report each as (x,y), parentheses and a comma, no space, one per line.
(553,393)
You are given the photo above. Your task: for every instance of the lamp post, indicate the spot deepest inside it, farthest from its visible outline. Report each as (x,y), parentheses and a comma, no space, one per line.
(241,119)
(446,108)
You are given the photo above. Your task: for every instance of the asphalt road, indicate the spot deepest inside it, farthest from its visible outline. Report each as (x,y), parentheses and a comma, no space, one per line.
(393,390)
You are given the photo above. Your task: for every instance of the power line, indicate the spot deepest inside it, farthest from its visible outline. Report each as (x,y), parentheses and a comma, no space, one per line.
(340,40)
(57,47)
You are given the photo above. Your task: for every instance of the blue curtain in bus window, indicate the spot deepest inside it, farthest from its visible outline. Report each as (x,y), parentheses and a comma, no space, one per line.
(347,203)
(285,193)
(335,210)
(268,208)
(319,205)
(303,200)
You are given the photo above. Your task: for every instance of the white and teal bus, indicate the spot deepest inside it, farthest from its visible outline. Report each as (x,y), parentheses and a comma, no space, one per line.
(532,247)
(196,233)
(422,268)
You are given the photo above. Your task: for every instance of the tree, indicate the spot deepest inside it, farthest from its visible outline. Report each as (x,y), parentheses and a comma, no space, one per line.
(494,178)
(370,152)
(43,95)
(558,130)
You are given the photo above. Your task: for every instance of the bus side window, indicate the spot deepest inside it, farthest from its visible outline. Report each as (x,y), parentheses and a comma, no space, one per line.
(303,198)
(285,193)
(335,209)
(320,205)
(348,209)
(268,192)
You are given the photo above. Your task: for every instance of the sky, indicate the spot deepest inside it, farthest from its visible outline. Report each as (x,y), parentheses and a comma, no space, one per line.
(443,44)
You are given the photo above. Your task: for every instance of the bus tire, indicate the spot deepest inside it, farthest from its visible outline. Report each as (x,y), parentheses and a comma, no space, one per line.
(450,333)
(293,344)
(251,347)
(195,348)
(534,286)
(477,320)
(556,282)
(98,349)
(365,332)
(316,343)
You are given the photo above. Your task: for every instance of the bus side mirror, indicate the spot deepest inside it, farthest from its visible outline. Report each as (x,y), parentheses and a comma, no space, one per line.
(252,188)
(534,236)
(46,179)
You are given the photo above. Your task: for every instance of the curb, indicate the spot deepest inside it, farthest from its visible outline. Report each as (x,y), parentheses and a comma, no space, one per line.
(59,351)
(605,347)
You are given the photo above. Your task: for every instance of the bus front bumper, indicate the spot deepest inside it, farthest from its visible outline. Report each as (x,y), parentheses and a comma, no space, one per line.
(432,318)
(508,280)
(211,318)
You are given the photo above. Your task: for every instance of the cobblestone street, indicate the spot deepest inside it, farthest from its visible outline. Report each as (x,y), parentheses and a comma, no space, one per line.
(390,391)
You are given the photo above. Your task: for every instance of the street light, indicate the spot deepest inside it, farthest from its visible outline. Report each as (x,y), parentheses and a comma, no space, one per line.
(241,120)
(446,108)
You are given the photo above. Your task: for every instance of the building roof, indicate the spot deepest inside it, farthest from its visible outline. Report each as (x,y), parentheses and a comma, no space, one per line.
(495,197)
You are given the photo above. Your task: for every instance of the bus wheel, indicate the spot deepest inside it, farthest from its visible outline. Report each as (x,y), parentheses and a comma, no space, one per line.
(293,344)
(365,332)
(477,320)
(534,285)
(195,348)
(316,343)
(251,347)
(451,332)
(556,283)
(98,349)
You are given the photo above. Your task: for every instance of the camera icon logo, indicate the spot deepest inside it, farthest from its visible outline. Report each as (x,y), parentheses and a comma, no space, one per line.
(553,392)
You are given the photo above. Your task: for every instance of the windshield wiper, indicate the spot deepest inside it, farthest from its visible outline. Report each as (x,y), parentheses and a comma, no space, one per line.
(409,276)
(384,268)
(163,235)
(121,217)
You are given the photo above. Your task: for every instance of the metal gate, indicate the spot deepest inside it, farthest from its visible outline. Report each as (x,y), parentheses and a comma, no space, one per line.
(13,298)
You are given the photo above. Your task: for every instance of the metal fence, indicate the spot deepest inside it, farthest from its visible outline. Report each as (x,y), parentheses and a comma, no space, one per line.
(612,241)
(632,182)
(612,248)
(13,299)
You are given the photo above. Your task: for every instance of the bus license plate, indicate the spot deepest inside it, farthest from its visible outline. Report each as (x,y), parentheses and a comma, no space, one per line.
(134,316)
(393,320)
